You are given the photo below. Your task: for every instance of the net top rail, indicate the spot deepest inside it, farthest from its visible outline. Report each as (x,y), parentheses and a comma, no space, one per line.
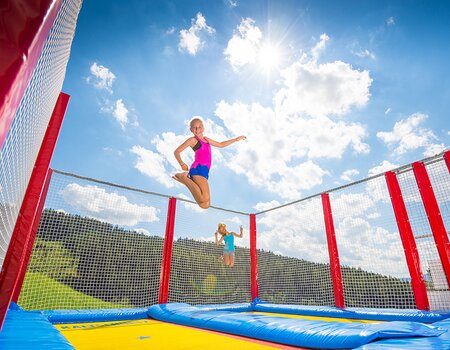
(399,170)
(140,190)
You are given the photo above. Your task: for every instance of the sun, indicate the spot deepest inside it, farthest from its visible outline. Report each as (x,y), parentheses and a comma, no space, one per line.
(269,57)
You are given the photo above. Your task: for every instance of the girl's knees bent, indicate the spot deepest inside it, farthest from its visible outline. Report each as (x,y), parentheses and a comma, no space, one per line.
(204,205)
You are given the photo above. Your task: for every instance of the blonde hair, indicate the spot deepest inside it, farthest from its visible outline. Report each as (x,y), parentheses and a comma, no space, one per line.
(220,226)
(195,119)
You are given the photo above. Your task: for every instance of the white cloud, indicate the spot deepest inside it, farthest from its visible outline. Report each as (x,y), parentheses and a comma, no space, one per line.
(279,149)
(231,3)
(261,206)
(243,47)
(117,110)
(433,149)
(325,89)
(319,47)
(348,175)
(365,54)
(284,141)
(102,78)
(190,40)
(407,135)
(384,166)
(390,21)
(299,231)
(152,164)
(377,188)
(120,113)
(370,247)
(235,220)
(116,152)
(96,202)
(170,31)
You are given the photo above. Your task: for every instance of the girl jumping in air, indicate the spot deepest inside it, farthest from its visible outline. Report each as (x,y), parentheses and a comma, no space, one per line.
(195,178)
(228,239)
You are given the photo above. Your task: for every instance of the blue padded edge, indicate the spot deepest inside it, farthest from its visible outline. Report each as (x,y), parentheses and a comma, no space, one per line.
(97,315)
(243,307)
(30,330)
(296,332)
(433,343)
(354,313)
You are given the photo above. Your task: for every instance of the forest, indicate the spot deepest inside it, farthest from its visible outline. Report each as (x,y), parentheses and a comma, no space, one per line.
(123,267)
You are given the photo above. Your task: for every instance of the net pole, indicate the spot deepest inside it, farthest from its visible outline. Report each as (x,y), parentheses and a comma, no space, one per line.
(34,230)
(167,252)
(335,266)
(15,256)
(253,259)
(434,216)
(447,160)
(408,242)
(26,26)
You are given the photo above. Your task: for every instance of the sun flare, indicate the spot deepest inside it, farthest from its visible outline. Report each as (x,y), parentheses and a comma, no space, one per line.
(269,57)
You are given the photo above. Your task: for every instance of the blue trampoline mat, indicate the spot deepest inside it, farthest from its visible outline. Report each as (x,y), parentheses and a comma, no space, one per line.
(34,330)
(233,319)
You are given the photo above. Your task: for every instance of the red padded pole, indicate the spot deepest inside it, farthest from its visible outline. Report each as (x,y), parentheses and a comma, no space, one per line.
(15,256)
(34,230)
(253,259)
(434,216)
(408,241)
(24,26)
(447,160)
(167,252)
(335,266)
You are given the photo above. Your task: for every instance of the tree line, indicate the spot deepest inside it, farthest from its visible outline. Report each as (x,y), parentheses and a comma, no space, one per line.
(124,266)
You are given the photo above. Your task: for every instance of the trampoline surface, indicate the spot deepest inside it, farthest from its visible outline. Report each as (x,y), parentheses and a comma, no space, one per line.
(151,334)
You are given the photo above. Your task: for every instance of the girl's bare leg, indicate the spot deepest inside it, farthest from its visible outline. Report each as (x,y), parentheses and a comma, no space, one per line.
(226,259)
(231,260)
(198,186)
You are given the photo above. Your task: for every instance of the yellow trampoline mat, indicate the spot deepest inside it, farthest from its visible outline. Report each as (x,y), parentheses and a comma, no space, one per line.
(151,334)
(315,318)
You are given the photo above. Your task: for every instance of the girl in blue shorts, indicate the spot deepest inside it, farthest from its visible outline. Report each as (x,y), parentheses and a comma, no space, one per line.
(228,239)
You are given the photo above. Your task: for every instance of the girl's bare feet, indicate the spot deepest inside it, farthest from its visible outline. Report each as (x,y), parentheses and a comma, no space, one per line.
(181,177)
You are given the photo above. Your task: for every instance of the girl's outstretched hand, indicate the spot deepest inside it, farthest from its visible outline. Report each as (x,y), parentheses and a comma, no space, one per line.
(239,138)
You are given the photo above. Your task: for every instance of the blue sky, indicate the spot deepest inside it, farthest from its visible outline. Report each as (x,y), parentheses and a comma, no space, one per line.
(327,92)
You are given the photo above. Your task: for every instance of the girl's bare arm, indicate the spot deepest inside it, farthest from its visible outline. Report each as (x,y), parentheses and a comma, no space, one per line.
(224,143)
(189,142)
(240,234)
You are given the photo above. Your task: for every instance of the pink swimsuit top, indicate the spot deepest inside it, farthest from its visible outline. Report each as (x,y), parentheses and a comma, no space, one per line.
(202,151)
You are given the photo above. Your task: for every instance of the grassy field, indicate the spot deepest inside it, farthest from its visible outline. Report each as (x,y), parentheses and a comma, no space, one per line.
(40,292)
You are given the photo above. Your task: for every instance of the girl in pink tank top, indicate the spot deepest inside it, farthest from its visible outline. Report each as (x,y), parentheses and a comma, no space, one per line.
(196,177)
